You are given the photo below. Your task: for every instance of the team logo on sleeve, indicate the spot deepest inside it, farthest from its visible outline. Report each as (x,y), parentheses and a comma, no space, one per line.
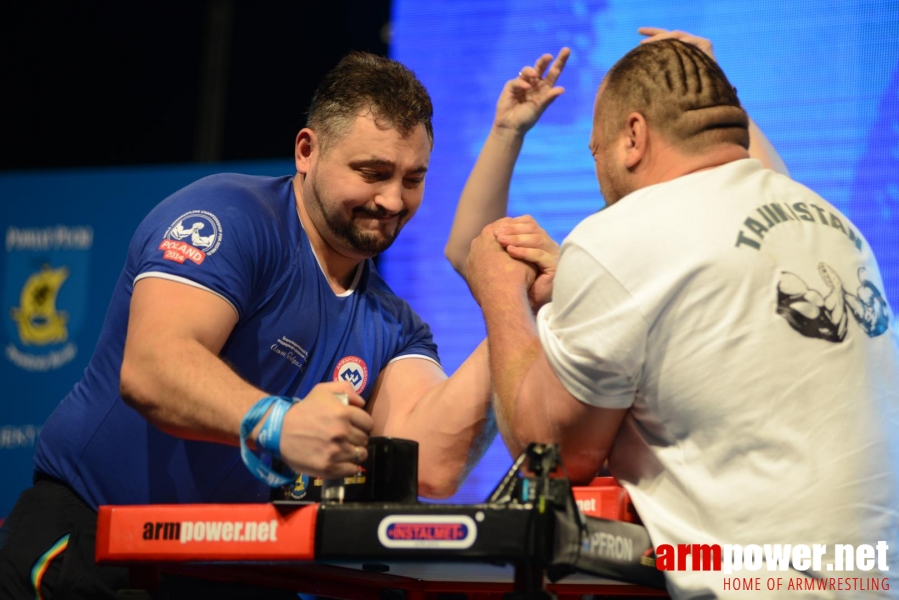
(194,236)
(352,369)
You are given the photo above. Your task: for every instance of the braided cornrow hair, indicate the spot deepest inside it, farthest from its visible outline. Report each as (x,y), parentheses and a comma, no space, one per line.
(682,93)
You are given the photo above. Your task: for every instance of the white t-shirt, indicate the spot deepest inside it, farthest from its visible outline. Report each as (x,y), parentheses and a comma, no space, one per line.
(742,319)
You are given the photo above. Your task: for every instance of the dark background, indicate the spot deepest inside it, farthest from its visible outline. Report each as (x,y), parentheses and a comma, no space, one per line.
(126,83)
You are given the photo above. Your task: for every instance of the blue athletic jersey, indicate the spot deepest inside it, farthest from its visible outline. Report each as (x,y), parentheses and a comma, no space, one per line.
(239,237)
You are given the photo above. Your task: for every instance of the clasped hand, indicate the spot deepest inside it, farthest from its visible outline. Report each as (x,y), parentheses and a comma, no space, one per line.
(513,253)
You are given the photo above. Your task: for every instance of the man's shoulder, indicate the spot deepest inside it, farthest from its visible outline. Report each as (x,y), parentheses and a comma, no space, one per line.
(375,286)
(227,188)
(240,181)
(385,299)
(222,214)
(229,200)
(396,319)
(670,207)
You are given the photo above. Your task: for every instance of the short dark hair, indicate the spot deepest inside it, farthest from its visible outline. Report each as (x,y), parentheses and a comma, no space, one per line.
(363,82)
(682,93)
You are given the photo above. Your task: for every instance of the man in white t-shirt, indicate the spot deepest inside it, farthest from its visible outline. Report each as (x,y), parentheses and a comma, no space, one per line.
(719,334)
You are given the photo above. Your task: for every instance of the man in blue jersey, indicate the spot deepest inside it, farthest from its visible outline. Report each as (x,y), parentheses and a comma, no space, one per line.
(239,294)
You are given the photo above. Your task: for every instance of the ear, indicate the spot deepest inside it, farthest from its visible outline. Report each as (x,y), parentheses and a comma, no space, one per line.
(636,140)
(306,144)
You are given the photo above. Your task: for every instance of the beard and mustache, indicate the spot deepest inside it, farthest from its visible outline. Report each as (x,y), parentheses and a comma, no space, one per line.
(367,243)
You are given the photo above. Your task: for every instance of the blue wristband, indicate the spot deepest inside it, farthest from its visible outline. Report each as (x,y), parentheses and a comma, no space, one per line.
(269,438)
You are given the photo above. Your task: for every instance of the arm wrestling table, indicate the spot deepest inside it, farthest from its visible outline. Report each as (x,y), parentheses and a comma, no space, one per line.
(529,531)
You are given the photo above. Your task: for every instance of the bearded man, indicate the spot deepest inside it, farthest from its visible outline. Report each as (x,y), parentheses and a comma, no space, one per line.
(250,315)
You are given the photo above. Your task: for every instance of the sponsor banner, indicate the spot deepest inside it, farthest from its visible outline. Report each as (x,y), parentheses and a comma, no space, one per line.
(18,436)
(609,548)
(46,287)
(205,532)
(428,531)
(605,499)
(64,237)
(804,584)
(784,567)
(803,558)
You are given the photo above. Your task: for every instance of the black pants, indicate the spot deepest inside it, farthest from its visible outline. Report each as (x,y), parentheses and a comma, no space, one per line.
(50,537)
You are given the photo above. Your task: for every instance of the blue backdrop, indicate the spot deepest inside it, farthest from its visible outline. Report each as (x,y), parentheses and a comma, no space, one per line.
(65,236)
(820,77)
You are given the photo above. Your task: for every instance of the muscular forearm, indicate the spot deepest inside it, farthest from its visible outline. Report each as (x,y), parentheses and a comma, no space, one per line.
(188,392)
(514,348)
(531,403)
(185,390)
(761,148)
(451,419)
(485,197)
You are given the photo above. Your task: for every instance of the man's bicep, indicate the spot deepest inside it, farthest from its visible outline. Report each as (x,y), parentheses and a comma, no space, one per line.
(593,333)
(592,337)
(400,386)
(162,309)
